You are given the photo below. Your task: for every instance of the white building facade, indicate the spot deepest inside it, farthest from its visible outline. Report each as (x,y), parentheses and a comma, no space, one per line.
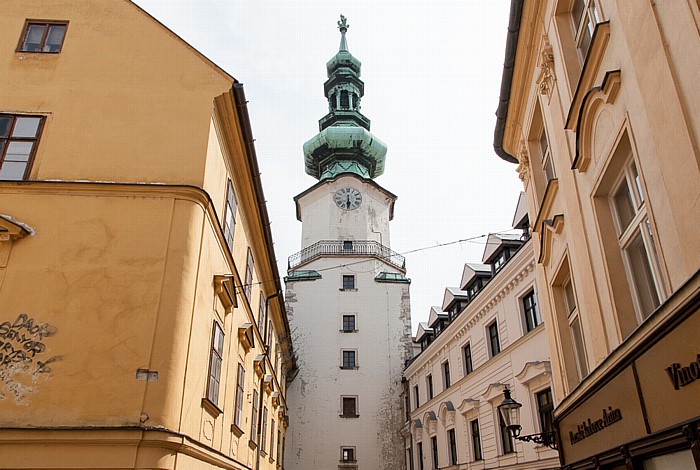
(347,296)
(486,336)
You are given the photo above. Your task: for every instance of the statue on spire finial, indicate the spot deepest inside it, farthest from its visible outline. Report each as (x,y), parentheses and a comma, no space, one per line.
(343,24)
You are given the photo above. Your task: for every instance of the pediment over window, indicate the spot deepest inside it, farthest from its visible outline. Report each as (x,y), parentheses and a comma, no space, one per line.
(494,391)
(467,405)
(246,336)
(225,290)
(534,370)
(592,125)
(430,421)
(446,412)
(550,227)
(268,384)
(275,399)
(417,429)
(11,229)
(280,412)
(259,365)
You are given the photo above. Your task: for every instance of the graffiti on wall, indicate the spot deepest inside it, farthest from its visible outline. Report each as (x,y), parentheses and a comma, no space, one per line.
(23,359)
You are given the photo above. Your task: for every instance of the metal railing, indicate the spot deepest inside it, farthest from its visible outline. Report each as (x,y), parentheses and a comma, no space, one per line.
(347,248)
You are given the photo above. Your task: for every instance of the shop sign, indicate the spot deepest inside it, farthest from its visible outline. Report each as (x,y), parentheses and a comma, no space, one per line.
(588,428)
(681,376)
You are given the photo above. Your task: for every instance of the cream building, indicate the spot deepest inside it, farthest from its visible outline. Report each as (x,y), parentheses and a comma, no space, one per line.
(600,110)
(486,336)
(141,324)
(347,295)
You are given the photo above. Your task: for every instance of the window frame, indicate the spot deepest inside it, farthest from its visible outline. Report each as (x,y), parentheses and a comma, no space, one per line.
(446,378)
(5,142)
(578,342)
(348,282)
(263,430)
(475,434)
(590,17)
(254,418)
(452,446)
(230,209)
(350,399)
(530,314)
(216,354)
(419,449)
(416,397)
(249,269)
(351,322)
(272,437)
(434,452)
(492,327)
(545,412)
(467,359)
(46,23)
(429,385)
(348,359)
(507,444)
(350,457)
(240,393)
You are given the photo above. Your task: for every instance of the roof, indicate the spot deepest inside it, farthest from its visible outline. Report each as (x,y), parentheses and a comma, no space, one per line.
(436,314)
(423,330)
(453,294)
(495,242)
(472,271)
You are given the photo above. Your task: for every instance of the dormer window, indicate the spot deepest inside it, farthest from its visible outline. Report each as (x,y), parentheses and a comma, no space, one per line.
(500,261)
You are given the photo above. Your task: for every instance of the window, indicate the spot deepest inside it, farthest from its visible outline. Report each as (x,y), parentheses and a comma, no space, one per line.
(499,262)
(532,318)
(433,445)
(476,439)
(279,438)
(420,456)
(545,410)
(217,351)
(239,396)
(636,240)
(546,155)
(18,141)
(446,374)
(43,37)
(347,454)
(348,323)
(416,398)
(347,245)
(349,360)
(272,436)
(452,439)
(261,310)
(230,215)
(584,17)
(494,343)
(429,384)
(348,281)
(349,407)
(249,267)
(467,353)
(269,334)
(506,440)
(263,433)
(575,329)
(254,418)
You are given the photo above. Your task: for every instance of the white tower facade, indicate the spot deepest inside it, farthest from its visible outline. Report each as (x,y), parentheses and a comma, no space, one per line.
(347,296)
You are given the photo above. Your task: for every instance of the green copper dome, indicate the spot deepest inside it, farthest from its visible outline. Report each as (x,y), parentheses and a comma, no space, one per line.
(344,143)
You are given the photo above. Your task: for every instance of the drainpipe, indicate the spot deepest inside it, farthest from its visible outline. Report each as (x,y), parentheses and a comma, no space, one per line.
(266,350)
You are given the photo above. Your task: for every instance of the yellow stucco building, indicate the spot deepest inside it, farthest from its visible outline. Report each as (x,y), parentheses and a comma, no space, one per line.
(600,109)
(141,324)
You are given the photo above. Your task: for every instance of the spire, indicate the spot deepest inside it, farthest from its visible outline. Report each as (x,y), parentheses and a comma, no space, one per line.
(343,27)
(344,143)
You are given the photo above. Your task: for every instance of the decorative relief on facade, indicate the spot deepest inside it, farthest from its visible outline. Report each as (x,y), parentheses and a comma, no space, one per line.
(447,414)
(523,168)
(546,78)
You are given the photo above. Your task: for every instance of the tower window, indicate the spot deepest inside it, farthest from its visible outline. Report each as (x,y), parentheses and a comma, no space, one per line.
(18,141)
(43,37)
(344,100)
(348,281)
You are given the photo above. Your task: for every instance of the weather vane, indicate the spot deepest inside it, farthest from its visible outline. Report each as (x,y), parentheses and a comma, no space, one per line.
(343,24)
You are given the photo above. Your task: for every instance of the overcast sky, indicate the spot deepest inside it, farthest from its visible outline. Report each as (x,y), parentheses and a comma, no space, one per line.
(432,73)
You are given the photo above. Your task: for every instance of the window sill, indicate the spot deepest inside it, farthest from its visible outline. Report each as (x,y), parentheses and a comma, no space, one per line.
(211,407)
(238,432)
(347,290)
(349,416)
(350,368)
(348,331)
(252,444)
(271,460)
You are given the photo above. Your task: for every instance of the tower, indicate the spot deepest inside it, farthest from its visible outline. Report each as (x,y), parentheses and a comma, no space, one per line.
(347,294)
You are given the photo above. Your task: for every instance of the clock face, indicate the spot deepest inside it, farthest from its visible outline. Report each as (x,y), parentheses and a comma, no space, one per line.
(348,198)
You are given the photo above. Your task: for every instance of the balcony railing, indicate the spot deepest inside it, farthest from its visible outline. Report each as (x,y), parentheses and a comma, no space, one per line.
(347,248)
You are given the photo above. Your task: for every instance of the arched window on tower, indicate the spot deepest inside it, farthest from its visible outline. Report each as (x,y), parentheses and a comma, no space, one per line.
(344,100)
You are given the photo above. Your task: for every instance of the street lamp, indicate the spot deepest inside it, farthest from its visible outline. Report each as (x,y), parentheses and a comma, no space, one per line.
(510,412)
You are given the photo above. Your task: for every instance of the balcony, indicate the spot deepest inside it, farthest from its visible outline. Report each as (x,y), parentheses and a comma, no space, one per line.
(342,248)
